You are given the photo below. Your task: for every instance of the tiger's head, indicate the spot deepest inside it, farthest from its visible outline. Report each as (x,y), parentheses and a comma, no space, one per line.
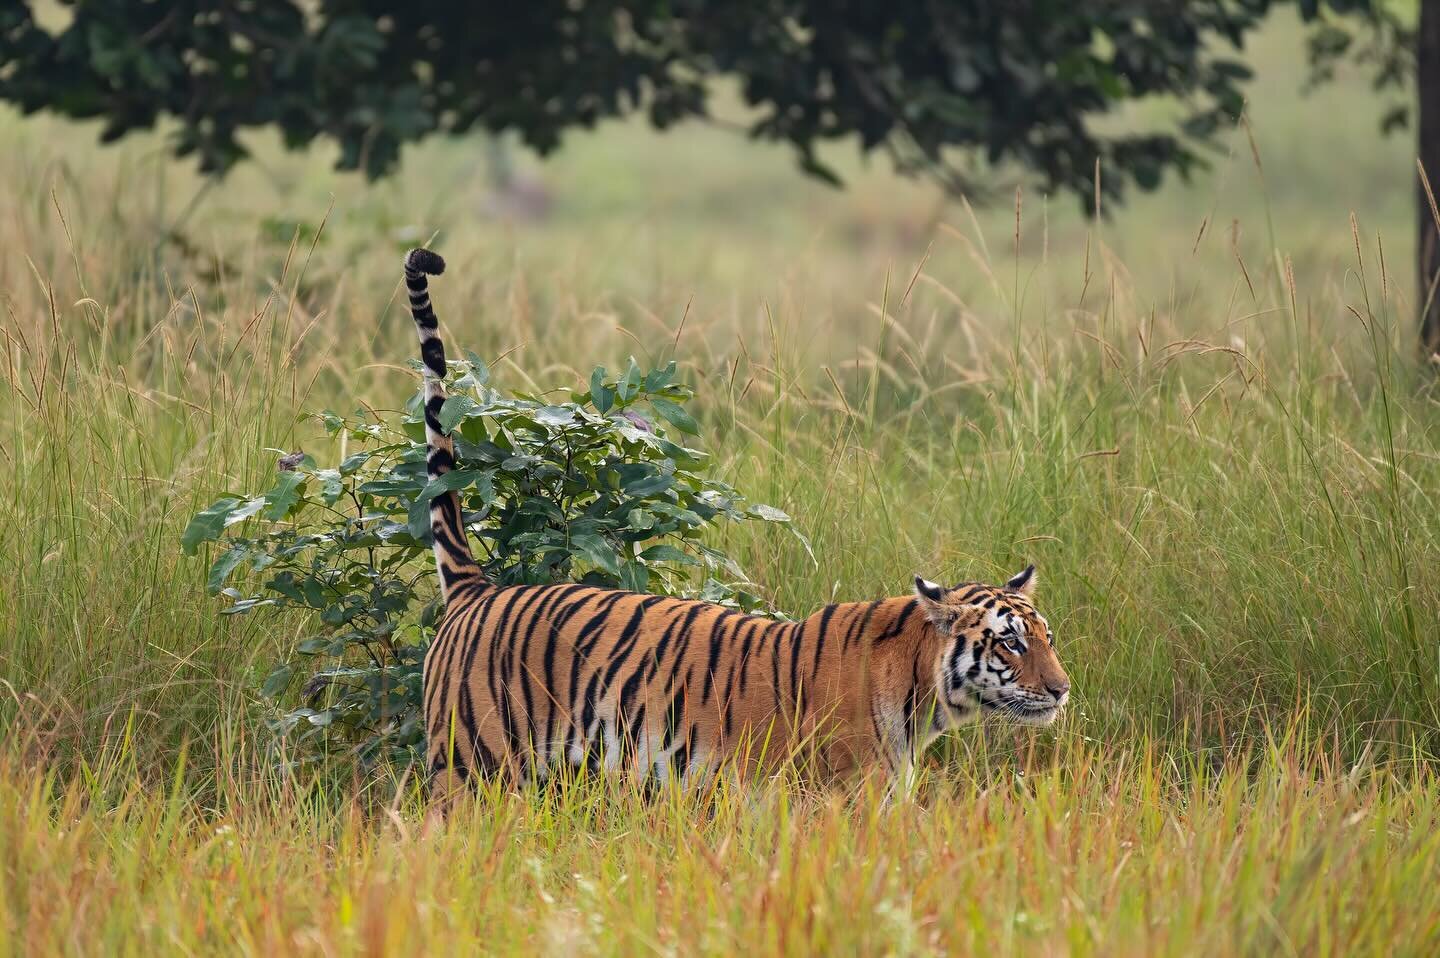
(997,653)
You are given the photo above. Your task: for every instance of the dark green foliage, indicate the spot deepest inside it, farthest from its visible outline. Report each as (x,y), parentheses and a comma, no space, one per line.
(590,490)
(1016,81)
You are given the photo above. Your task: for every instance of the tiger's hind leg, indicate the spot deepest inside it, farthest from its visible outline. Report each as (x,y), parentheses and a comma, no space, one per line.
(447,784)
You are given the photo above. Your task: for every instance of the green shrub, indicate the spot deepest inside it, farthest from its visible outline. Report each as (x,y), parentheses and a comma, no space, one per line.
(599,489)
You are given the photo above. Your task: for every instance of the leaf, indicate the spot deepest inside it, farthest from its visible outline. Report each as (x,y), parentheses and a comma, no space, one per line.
(455,409)
(276,682)
(812,165)
(601,395)
(248,509)
(207,523)
(554,416)
(668,553)
(353,462)
(806,543)
(648,485)
(485,487)
(245,605)
(449,482)
(331,486)
(283,495)
(630,385)
(222,567)
(417,520)
(635,577)
(477,373)
(596,551)
(674,414)
(658,379)
(768,513)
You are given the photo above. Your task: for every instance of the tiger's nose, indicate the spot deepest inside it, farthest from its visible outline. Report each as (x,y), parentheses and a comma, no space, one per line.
(1057,690)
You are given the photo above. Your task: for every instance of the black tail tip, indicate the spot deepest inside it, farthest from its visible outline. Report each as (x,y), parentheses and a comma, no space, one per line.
(424,261)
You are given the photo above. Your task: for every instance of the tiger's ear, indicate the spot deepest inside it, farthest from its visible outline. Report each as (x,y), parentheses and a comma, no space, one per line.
(930,595)
(930,591)
(1023,582)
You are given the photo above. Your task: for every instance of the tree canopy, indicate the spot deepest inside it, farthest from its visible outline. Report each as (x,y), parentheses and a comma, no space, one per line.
(927,81)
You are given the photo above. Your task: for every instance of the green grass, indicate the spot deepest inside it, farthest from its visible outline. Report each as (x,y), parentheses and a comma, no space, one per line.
(1222,455)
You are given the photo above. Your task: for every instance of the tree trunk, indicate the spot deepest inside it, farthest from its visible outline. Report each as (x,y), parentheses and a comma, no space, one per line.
(1428,245)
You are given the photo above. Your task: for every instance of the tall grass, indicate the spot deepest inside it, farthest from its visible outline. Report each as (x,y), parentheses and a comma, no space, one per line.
(1093,849)
(1222,455)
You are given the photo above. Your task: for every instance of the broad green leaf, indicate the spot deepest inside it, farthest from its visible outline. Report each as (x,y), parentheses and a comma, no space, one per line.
(276,682)
(485,487)
(207,524)
(283,495)
(658,379)
(675,415)
(600,394)
(768,513)
(596,551)
(331,486)
(452,480)
(630,385)
(222,567)
(635,577)
(353,462)
(648,485)
(476,373)
(554,416)
(455,409)
(245,511)
(668,553)
(418,519)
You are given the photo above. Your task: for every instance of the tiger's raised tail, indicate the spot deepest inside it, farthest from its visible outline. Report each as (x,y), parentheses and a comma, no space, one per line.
(453,558)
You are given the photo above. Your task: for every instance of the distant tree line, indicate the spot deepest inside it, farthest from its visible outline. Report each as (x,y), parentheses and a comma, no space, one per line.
(928,82)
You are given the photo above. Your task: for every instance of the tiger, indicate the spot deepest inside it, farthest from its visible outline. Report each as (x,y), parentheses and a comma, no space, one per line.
(528,680)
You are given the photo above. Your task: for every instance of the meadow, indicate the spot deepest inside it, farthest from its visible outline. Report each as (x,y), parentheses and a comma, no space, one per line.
(1202,417)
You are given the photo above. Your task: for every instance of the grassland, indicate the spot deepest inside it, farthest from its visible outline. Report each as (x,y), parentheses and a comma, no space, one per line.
(1202,418)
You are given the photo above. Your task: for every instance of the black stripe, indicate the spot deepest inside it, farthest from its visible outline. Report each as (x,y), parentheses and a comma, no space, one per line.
(600,680)
(775,663)
(556,622)
(591,628)
(456,633)
(744,656)
(898,626)
(522,669)
(796,691)
(859,628)
(432,352)
(825,618)
(485,636)
(439,462)
(715,646)
(501,638)
(682,649)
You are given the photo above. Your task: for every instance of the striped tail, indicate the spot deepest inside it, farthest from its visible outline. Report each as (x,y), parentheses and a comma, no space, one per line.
(453,559)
